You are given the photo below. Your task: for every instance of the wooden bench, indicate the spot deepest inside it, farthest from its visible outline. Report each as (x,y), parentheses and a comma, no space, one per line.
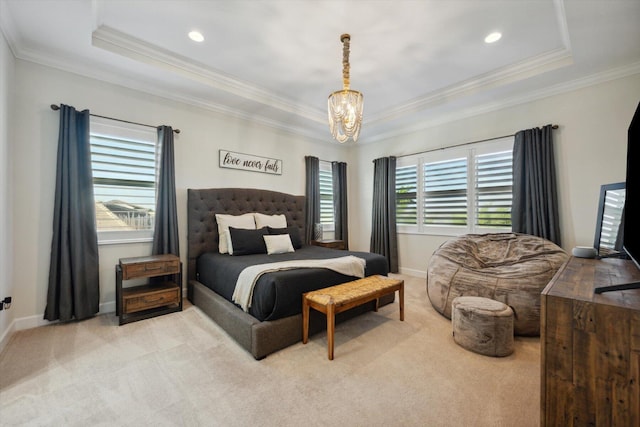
(339,298)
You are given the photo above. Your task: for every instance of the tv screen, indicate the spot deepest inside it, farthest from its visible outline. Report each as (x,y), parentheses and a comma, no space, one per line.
(631,224)
(631,235)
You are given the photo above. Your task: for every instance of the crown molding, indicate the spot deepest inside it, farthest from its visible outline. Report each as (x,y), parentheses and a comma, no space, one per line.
(8,29)
(519,71)
(590,80)
(130,47)
(150,54)
(88,71)
(563,26)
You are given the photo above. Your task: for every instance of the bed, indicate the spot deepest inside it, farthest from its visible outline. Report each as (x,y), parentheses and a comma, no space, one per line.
(274,320)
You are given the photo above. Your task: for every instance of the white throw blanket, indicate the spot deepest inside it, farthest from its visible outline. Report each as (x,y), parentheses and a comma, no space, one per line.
(243,293)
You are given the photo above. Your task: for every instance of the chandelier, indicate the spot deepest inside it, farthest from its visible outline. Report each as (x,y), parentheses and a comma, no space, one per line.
(345,106)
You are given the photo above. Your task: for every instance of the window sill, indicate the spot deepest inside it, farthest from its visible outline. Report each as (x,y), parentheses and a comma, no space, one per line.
(125,241)
(452,233)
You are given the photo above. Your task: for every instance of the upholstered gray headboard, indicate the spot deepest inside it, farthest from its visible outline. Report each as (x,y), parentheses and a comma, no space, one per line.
(204,204)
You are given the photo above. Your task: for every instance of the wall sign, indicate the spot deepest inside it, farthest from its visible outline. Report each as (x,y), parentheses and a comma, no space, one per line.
(249,162)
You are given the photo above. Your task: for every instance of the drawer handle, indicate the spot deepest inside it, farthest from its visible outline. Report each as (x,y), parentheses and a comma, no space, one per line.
(159,267)
(157,299)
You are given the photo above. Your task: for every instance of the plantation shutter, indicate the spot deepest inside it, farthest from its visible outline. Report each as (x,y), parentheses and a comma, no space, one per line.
(445,192)
(494,185)
(406,195)
(326,195)
(612,217)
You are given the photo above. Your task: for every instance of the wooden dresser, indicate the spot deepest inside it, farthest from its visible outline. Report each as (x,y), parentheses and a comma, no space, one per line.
(590,346)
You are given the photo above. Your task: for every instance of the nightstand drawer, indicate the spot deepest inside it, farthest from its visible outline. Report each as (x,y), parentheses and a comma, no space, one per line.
(149,269)
(333,244)
(140,298)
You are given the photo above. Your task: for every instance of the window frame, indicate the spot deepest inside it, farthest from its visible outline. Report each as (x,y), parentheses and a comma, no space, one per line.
(102,127)
(470,152)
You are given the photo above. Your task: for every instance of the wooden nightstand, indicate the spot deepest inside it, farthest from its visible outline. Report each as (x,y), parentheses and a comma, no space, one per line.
(160,296)
(333,244)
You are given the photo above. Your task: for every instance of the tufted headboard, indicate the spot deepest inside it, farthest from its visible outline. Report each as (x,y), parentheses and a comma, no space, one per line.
(204,204)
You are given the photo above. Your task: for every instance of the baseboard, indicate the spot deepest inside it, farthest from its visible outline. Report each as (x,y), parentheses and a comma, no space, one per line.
(29,322)
(6,336)
(107,307)
(37,320)
(413,272)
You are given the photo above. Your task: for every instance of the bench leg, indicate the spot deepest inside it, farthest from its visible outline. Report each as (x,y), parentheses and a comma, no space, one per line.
(331,324)
(305,320)
(401,298)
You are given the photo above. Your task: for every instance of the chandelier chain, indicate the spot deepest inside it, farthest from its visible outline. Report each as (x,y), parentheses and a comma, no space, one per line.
(346,39)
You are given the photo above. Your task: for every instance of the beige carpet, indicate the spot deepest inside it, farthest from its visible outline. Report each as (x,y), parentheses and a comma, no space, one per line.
(181,369)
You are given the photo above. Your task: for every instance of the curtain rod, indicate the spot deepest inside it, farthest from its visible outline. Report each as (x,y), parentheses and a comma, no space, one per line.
(464,143)
(55,107)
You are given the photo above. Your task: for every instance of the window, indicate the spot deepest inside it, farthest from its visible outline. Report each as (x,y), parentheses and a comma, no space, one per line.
(456,191)
(123,161)
(326,196)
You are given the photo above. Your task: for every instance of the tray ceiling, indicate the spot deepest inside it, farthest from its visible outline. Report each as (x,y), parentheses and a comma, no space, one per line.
(416,62)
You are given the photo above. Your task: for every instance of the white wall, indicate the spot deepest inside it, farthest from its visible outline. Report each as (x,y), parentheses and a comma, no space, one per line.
(7,285)
(590,150)
(203,133)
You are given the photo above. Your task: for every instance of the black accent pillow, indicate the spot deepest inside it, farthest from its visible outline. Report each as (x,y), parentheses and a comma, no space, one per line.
(293,232)
(247,242)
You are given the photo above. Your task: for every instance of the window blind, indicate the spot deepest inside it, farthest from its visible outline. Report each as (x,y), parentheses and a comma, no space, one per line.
(124,175)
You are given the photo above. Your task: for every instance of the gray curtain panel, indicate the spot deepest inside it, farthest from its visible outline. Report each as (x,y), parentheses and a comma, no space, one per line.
(312,193)
(74,288)
(535,196)
(165,234)
(341,226)
(384,239)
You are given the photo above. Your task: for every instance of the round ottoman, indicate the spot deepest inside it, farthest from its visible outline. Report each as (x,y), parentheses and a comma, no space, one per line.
(508,267)
(483,325)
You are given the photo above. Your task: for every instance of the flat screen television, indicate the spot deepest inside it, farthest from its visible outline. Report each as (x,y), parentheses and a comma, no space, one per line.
(631,227)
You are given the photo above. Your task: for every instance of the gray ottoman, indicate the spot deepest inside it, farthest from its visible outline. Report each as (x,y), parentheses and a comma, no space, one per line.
(482,325)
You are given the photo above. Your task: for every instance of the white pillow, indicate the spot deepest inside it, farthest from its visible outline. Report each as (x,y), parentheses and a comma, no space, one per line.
(245,221)
(229,243)
(278,244)
(274,221)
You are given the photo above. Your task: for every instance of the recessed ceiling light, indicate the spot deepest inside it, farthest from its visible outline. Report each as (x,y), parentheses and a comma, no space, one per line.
(493,37)
(196,36)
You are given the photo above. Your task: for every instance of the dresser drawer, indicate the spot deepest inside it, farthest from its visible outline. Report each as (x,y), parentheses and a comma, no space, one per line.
(150,269)
(145,297)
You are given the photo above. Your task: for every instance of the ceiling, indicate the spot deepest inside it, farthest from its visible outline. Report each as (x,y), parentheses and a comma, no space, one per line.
(417,62)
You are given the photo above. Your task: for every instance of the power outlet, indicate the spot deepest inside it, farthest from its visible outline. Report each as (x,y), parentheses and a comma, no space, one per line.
(5,303)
